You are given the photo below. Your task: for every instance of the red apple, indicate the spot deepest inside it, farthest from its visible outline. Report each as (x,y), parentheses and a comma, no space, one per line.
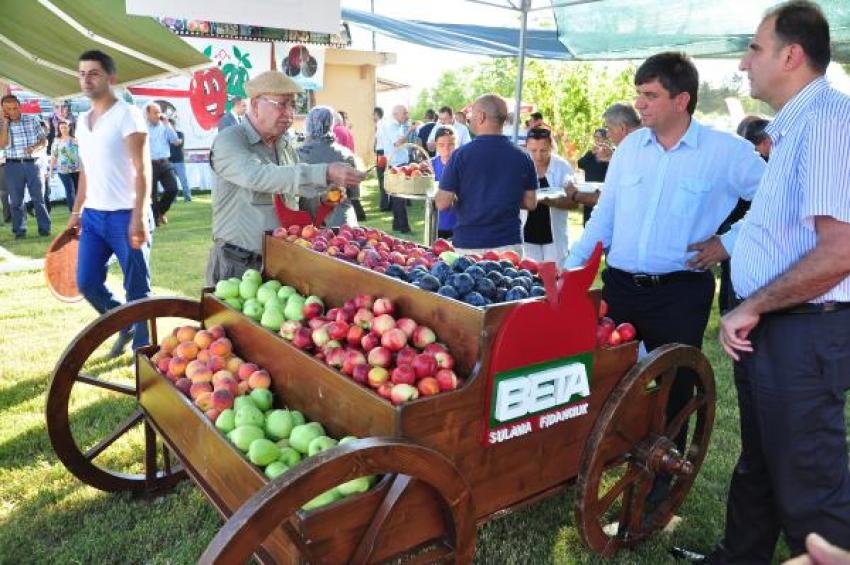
(405,356)
(385,390)
(309,231)
(303,338)
(361,374)
(352,359)
(424,365)
(354,335)
(447,379)
(428,386)
(320,245)
(383,306)
(435,347)
(334,356)
(423,336)
(394,339)
(316,323)
(529,264)
(602,334)
(288,329)
(403,392)
(337,330)
(615,338)
(312,310)
(441,245)
(377,376)
(280,233)
(627,331)
(444,360)
(608,323)
(294,230)
(369,342)
(384,323)
(380,357)
(364,318)
(406,325)
(403,374)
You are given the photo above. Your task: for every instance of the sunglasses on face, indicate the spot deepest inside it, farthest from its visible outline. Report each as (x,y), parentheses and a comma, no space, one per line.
(539,133)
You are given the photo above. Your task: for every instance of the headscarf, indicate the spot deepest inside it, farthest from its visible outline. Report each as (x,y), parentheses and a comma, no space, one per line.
(319,123)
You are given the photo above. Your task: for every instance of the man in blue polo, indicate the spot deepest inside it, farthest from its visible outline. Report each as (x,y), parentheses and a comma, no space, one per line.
(22,136)
(162,136)
(488,180)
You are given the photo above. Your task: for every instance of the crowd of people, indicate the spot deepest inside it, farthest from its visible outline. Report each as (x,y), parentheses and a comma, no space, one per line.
(771,204)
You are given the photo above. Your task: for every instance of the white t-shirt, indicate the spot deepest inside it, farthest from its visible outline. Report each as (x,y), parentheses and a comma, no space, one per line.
(462,136)
(110,177)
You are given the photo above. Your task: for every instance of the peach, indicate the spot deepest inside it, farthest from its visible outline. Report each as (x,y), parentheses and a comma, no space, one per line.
(168,344)
(198,388)
(217,332)
(195,367)
(177,367)
(204,356)
(233,364)
(203,376)
(204,401)
(185,333)
(212,414)
(183,385)
(162,364)
(187,350)
(242,388)
(203,339)
(222,399)
(228,384)
(219,376)
(246,370)
(260,379)
(216,363)
(221,346)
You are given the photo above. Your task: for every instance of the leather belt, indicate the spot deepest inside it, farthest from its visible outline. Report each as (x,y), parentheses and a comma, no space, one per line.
(814,308)
(25,160)
(159,160)
(646,280)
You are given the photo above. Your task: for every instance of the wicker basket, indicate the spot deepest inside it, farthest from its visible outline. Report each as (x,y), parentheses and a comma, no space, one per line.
(402,184)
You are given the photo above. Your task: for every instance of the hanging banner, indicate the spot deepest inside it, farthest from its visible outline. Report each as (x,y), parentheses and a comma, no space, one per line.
(304,63)
(197,104)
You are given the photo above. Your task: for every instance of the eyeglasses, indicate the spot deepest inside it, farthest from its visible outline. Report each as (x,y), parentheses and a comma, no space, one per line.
(539,133)
(279,106)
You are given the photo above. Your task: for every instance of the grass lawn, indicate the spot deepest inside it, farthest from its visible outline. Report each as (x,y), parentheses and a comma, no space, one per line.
(47,515)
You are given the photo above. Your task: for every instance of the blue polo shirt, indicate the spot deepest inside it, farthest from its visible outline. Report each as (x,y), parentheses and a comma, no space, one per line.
(489,175)
(446,219)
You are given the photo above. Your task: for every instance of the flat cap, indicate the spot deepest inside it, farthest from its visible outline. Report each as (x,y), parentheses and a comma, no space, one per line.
(271,82)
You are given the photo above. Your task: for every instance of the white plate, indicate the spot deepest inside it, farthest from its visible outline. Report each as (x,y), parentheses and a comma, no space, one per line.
(589,186)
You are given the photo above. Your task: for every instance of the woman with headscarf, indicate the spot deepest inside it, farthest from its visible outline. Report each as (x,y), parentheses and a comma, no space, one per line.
(320,147)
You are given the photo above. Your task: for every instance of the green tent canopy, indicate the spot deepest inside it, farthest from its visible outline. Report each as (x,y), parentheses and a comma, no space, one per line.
(40,41)
(636,29)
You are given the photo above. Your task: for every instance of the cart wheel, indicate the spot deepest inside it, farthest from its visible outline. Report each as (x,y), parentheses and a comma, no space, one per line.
(82,364)
(632,443)
(281,498)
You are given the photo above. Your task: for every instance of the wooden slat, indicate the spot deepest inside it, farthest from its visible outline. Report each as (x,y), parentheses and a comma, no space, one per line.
(119,431)
(115,387)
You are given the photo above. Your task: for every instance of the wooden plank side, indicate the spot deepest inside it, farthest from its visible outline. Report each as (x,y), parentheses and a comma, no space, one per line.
(222,473)
(301,382)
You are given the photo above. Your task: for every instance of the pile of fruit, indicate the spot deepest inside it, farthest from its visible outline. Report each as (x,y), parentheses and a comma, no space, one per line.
(608,333)
(235,395)
(422,169)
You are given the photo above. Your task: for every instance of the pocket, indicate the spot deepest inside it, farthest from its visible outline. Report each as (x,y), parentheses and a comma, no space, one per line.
(688,197)
(629,194)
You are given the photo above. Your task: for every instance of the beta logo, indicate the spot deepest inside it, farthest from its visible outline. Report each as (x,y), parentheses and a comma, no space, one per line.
(533,398)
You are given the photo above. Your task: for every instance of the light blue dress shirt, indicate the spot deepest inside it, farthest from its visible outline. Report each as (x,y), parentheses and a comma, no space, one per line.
(389,132)
(808,176)
(161,138)
(657,202)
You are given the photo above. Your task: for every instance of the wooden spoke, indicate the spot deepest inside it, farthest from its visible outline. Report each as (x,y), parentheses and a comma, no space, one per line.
(115,387)
(617,426)
(69,371)
(154,337)
(366,547)
(119,431)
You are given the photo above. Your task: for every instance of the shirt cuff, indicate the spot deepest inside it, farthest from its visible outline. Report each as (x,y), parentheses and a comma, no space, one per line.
(728,240)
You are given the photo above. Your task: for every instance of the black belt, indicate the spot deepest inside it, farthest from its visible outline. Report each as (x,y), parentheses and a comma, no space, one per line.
(814,308)
(241,254)
(26,160)
(645,280)
(160,160)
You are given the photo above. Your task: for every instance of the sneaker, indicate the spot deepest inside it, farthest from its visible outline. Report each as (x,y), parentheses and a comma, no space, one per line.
(124,338)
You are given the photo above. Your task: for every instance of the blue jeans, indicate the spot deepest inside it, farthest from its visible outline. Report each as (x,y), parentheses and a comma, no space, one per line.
(70,182)
(20,177)
(180,171)
(104,233)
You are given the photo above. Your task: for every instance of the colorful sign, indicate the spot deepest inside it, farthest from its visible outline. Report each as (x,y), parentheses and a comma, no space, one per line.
(305,64)
(536,397)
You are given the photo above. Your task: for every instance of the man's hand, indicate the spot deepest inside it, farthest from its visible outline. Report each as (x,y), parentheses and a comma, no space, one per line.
(735,327)
(709,253)
(570,189)
(137,231)
(820,552)
(74,223)
(28,150)
(603,152)
(340,174)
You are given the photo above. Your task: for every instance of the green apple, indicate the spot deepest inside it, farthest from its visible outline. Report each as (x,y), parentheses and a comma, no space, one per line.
(323,499)
(253,275)
(249,415)
(289,456)
(320,444)
(278,424)
(248,289)
(272,319)
(285,292)
(354,486)
(262,452)
(346,439)
(253,309)
(274,303)
(265,293)
(449,257)
(294,309)
(275,469)
(225,289)
(273,284)
(262,398)
(243,436)
(297,418)
(302,435)
(235,303)
(243,400)
(312,298)
(282,443)
(226,421)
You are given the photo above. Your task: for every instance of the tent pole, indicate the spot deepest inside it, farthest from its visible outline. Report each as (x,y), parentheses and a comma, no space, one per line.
(525,6)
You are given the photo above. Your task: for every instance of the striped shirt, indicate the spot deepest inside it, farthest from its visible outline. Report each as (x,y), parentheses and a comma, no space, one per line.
(22,134)
(808,175)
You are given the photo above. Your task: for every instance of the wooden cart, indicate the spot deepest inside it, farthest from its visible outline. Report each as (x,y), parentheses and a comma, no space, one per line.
(542,409)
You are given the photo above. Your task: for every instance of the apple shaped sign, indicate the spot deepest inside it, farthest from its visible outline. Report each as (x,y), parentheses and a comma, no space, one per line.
(208,96)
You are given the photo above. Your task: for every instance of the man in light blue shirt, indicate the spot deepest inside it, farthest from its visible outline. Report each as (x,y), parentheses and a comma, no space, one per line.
(161,136)
(669,185)
(392,137)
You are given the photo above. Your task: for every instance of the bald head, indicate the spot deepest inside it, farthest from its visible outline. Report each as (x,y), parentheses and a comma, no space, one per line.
(488,115)
(400,113)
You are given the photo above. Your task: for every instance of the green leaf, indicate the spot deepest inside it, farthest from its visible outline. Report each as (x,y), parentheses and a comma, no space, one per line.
(237,52)
(208,51)
(228,69)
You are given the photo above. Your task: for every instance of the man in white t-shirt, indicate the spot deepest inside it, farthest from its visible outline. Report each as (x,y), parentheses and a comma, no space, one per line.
(112,208)
(446,117)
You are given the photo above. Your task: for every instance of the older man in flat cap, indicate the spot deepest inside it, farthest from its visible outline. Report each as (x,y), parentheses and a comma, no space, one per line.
(252,162)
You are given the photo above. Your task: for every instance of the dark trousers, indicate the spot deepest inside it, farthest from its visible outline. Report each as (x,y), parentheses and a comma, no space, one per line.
(792,473)
(4,196)
(163,172)
(675,312)
(70,182)
(20,177)
(103,234)
(726,299)
(399,208)
(384,199)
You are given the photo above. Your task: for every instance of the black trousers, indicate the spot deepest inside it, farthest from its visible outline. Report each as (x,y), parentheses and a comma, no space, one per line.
(384,200)
(163,172)
(675,312)
(792,473)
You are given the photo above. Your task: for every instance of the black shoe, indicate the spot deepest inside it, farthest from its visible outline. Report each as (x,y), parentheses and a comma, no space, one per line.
(691,556)
(124,337)
(44,233)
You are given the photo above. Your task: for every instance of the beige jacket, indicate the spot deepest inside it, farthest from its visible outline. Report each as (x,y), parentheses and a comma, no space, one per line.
(248,174)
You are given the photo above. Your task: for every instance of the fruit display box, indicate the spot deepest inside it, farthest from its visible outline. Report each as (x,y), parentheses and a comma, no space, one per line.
(403,184)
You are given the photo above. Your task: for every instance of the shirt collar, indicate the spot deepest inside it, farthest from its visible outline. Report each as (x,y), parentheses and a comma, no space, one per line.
(794,109)
(691,137)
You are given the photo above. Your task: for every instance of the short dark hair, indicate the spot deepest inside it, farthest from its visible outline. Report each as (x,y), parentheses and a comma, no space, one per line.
(9,98)
(235,100)
(378,110)
(537,116)
(676,73)
(105,60)
(754,131)
(447,110)
(802,22)
(442,131)
(430,114)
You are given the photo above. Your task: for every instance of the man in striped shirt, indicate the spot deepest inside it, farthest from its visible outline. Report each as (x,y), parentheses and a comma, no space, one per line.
(790,337)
